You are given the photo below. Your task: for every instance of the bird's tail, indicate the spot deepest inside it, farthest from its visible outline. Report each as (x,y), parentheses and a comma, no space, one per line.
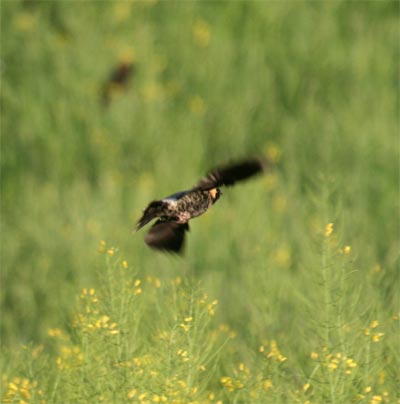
(153,210)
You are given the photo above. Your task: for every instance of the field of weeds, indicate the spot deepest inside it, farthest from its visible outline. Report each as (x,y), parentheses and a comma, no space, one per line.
(288,289)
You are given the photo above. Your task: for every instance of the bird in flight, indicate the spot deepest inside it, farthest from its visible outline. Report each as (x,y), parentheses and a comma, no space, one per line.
(118,81)
(175,211)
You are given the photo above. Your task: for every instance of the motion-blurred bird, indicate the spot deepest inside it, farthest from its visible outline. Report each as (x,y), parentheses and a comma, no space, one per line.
(175,211)
(118,81)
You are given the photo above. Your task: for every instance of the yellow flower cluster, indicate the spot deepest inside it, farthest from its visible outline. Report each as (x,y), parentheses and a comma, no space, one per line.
(372,397)
(375,336)
(273,352)
(183,354)
(156,282)
(334,361)
(138,363)
(57,333)
(102,248)
(186,324)
(90,318)
(137,289)
(210,306)
(69,357)
(242,376)
(255,385)
(231,384)
(23,391)
(174,391)
(328,229)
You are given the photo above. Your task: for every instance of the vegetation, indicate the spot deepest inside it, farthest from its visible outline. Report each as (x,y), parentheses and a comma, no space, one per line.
(288,290)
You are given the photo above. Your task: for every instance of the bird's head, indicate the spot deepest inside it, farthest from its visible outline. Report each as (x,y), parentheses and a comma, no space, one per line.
(215,193)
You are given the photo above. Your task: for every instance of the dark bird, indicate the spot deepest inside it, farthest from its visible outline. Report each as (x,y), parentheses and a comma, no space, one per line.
(175,211)
(118,81)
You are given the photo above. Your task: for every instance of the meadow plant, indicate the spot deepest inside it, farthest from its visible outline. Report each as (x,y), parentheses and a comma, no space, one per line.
(143,340)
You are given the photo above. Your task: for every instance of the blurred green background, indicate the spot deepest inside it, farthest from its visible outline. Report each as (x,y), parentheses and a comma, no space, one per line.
(313,83)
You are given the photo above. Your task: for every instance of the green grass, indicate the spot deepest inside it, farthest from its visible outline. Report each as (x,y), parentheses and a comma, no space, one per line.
(265,306)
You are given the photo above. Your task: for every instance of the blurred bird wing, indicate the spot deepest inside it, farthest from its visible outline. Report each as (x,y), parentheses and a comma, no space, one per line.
(230,174)
(167,236)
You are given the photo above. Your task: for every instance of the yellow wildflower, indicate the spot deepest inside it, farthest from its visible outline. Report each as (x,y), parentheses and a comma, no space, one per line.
(185,327)
(350,363)
(132,393)
(275,353)
(377,268)
(102,247)
(182,384)
(227,383)
(124,264)
(328,229)
(267,384)
(306,386)
(55,332)
(377,337)
(347,249)
(314,355)
(211,310)
(374,324)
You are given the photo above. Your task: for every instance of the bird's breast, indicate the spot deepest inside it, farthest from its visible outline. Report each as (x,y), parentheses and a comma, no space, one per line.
(194,203)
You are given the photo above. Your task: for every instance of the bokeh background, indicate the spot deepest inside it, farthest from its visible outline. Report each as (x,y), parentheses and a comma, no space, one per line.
(313,85)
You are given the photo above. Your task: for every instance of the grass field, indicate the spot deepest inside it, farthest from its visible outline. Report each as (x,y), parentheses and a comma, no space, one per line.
(288,291)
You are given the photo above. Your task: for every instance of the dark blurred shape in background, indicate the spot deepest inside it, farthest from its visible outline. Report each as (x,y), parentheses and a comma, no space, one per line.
(118,81)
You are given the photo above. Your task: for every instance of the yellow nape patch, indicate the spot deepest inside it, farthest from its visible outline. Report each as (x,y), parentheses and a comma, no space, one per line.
(213,192)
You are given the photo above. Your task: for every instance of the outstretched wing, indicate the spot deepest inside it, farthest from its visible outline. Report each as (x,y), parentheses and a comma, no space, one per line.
(230,174)
(167,236)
